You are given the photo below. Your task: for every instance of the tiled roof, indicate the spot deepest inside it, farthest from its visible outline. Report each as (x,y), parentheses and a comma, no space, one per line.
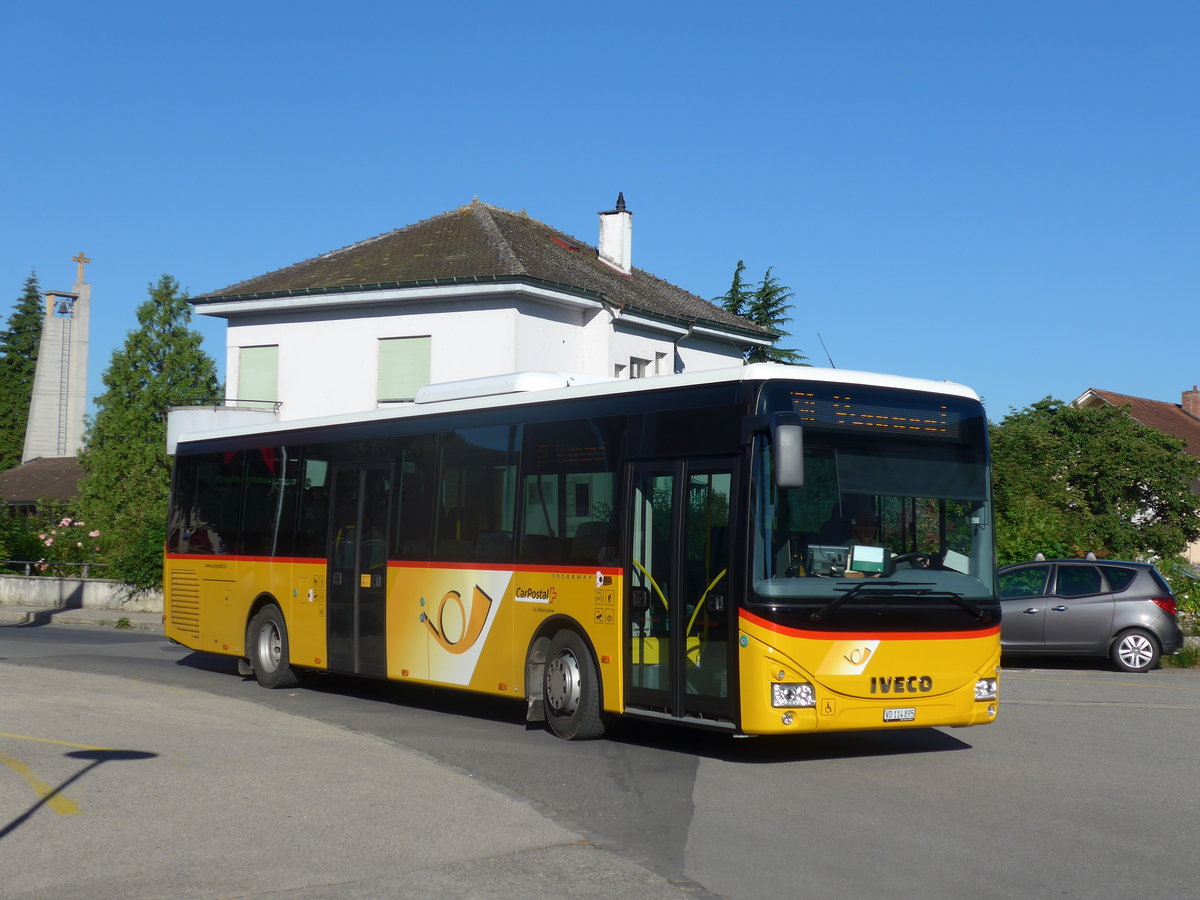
(1168,418)
(479,242)
(38,479)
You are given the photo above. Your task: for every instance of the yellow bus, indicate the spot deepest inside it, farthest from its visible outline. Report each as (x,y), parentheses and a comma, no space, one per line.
(762,550)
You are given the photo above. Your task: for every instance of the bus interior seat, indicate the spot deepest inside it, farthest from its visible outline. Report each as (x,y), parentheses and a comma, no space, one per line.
(416,548)
(455,550)
(594,542)
(494,546)
(539,548)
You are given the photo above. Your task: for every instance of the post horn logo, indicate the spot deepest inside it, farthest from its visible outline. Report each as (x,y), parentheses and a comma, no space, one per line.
(470,627)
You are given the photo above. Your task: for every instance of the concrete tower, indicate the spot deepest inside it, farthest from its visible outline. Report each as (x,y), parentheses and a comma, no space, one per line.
(59,400)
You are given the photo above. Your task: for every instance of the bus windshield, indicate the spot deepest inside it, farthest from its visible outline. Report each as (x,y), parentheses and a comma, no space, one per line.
(895,501)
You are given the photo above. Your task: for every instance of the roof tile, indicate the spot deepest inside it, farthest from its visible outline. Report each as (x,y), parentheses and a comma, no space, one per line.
(1168,418)
(480,241)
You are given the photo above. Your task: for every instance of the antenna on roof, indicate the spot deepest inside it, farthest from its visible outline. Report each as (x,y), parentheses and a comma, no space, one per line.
(826,349)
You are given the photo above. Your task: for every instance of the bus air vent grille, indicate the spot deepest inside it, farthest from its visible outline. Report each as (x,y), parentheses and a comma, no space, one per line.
(184,602)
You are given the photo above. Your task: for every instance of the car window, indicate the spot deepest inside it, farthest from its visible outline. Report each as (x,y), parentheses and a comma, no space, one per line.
(1078,581)
(1027,582)
(1118,578)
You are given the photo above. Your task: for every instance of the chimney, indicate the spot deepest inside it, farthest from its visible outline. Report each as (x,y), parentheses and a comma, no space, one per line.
(616,237)
(1191,402)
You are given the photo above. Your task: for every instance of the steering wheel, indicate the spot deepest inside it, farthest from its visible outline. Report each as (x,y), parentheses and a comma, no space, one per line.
(910,558)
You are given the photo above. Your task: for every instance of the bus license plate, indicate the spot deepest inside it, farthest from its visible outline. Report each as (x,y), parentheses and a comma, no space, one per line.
(900,714)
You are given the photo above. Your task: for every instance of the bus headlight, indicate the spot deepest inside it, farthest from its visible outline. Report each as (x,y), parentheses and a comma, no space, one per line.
(986,689)
(801,694)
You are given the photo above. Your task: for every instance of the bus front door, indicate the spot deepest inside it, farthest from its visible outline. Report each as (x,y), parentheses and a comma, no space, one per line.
(679,610)
(357,584)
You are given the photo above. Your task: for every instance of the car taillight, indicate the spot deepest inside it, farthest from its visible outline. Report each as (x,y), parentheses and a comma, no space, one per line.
(1166,604)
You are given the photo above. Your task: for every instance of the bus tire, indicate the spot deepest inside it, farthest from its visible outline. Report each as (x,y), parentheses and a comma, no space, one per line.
(268,647)
(571,689)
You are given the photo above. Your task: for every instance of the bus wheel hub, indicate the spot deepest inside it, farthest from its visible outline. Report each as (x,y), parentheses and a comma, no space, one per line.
(562,684)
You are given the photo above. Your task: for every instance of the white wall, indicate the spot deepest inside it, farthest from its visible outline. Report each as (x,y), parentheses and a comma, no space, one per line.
(328,354)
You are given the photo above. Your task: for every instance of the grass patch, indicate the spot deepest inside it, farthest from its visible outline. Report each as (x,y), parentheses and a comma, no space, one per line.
(1187,658)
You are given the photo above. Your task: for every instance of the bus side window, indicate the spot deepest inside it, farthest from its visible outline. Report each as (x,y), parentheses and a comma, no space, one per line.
(261,502)
(416,476)
(568,503)
(313,520)
(204,520)
(477,478)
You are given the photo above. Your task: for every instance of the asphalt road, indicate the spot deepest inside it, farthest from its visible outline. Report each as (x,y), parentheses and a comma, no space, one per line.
(1085,787)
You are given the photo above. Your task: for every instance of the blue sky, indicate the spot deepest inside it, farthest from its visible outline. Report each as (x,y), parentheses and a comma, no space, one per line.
(1003,195)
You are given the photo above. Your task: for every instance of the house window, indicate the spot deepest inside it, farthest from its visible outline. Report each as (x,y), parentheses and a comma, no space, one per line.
(258,376)
(403,368)
(638,367)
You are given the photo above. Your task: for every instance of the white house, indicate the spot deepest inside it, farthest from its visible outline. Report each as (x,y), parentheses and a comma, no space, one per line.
(474,292)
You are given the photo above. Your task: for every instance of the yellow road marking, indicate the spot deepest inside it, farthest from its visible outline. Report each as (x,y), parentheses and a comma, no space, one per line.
(54,800)
(27,737)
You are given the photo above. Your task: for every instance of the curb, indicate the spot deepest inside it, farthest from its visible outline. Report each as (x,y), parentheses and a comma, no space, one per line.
(95,618)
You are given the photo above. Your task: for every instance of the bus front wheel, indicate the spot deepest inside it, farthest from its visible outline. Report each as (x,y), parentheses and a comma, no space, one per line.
(571,689)
(268,646)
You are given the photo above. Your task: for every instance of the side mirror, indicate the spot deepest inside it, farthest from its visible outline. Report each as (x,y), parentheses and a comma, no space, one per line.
(787,438)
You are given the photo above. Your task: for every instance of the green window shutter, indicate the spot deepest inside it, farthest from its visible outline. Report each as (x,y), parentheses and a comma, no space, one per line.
(258,376)
(403,367)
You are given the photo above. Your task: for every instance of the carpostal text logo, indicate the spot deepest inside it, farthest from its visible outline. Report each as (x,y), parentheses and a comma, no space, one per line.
(535,595)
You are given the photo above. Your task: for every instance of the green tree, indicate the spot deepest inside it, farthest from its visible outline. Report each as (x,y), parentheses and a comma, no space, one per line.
(127,470)
(19,343)
(1069,480)
(737,299)
(765,305)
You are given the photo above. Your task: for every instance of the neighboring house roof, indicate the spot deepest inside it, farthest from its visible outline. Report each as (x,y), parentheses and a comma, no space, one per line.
(1167,418)
(483,243)
(39,479)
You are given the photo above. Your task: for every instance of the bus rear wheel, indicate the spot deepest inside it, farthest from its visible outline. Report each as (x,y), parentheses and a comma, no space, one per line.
(571,689)
(268,647)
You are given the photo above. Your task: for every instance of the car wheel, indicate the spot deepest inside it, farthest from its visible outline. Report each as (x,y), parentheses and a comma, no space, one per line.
(268,648)
(571,689)
(1135,650)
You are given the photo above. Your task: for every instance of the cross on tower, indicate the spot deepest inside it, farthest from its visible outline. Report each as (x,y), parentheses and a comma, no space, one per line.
(81,259)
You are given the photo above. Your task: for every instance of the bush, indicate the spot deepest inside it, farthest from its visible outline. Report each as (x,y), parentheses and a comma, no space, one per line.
(54,540)
(138,559)
(1184,581)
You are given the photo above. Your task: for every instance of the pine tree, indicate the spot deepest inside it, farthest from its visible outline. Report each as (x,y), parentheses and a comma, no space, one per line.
(127,470)
(765,306)
(737,298)
(768,305)
(19,343)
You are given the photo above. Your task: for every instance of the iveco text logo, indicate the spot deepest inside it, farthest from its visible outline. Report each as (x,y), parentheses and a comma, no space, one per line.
(902,684)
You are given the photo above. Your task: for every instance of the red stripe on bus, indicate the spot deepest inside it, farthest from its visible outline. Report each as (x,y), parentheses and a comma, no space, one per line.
(229,557)
(407,564)
(868,635)
(505,567)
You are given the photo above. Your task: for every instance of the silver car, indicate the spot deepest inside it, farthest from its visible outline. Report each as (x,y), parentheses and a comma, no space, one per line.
(1089,607)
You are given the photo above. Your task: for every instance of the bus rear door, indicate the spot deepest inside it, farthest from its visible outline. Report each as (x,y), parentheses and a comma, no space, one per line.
(357,585)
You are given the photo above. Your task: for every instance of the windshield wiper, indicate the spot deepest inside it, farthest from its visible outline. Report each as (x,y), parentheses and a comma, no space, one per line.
(906,589)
